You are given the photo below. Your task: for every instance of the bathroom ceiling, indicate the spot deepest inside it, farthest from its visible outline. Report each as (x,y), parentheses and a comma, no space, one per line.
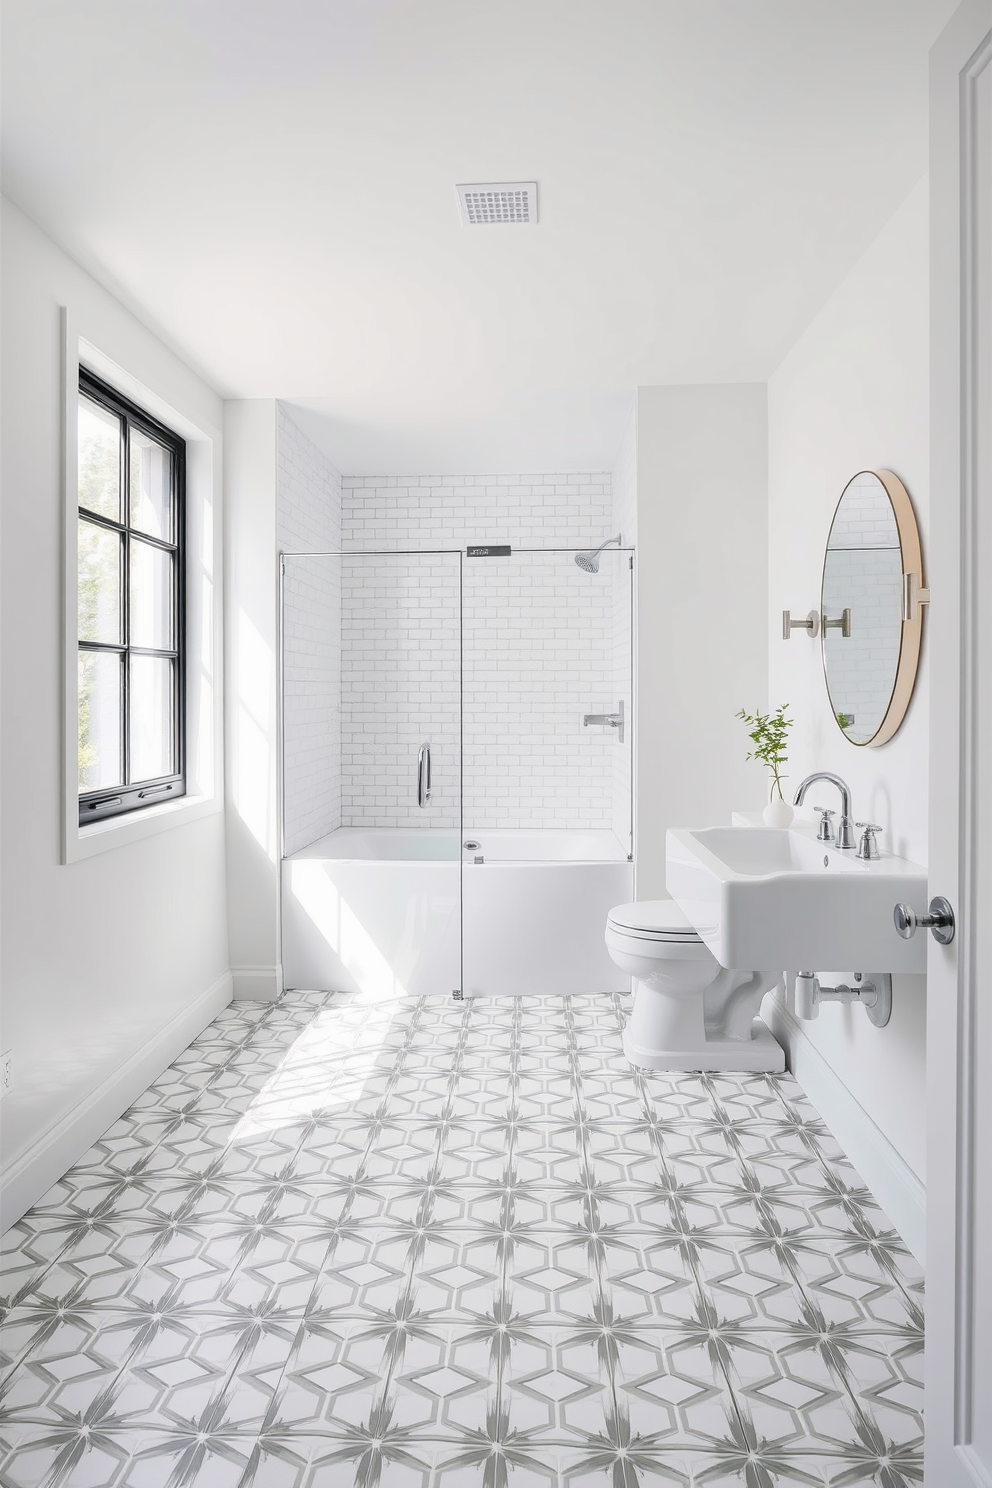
(270,184)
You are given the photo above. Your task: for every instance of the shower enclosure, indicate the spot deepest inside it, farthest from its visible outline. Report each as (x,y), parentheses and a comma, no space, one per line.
(456,769)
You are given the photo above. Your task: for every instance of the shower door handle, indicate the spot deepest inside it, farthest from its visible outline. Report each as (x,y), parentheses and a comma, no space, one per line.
(424,775)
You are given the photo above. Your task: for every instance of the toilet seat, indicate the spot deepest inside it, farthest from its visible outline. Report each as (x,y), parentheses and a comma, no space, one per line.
(659,920)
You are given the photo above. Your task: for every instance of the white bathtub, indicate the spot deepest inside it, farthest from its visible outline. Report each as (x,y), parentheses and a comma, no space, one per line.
(406,912)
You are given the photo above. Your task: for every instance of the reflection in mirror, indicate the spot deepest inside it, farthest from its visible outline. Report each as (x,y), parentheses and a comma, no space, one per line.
(862,572)
(869,653)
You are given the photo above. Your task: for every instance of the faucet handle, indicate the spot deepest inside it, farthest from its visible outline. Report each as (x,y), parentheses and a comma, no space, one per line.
(868,847)
(825,830)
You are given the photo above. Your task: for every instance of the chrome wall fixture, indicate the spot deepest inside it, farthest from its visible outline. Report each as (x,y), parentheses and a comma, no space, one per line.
(589,562)
(815,622)
(811,625)
(825,833)
(939,920)
(843,624)
(607,720)
(424,775)
(873,993)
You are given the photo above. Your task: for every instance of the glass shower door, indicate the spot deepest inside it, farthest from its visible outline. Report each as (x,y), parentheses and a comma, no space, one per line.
(371,873)
(548,741)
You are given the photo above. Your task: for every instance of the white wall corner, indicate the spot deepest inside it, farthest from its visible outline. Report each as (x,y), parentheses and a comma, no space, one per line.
(899,1191)
(31,1174)
(252,702)
(256,983)
(701,487)
(624,482)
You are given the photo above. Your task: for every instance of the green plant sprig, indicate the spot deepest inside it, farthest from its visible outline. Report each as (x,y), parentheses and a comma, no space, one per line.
(769,733)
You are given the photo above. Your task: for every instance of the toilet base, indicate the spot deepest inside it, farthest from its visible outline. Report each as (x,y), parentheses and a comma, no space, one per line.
(760,1054)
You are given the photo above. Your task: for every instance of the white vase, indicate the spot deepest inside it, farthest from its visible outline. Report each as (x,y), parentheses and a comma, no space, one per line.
(777,813)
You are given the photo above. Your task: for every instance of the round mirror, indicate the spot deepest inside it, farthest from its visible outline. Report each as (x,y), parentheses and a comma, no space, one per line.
(870,613)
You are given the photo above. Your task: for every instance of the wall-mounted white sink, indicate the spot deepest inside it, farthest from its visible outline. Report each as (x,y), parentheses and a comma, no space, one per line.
(765,898)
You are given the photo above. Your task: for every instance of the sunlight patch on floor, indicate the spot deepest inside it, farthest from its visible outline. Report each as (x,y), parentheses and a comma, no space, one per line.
(327,1067)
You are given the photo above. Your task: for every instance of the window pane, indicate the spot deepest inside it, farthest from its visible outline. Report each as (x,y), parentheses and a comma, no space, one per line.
(99,586)
(151,486)
(99,459)
(99,720)
(151,596)
(151,717)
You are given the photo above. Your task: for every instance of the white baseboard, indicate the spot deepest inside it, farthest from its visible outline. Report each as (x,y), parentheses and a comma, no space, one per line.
(31,1175)
(256,983)
(900,1193)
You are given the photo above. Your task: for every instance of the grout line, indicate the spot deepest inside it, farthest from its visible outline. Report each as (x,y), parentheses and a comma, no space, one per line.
(562,1031)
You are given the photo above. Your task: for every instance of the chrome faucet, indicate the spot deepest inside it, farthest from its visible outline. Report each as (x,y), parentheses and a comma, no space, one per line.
(845,827)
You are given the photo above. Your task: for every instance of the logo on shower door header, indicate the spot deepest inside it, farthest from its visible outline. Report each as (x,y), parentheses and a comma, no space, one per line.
(500,551)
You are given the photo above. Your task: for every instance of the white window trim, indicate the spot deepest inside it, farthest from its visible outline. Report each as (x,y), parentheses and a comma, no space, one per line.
(204,613)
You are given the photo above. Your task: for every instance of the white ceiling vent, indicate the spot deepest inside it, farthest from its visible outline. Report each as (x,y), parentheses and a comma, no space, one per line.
(498,201)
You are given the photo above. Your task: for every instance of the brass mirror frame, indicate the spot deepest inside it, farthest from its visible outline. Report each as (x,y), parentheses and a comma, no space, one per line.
(915,596)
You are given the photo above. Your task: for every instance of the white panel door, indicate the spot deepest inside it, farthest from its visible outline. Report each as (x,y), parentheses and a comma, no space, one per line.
(959,1038)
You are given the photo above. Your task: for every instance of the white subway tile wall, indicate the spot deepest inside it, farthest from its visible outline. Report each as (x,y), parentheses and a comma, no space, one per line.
(862,667)
(308,515)
(865,518)
(400,689)
(375,658)
(538,655)
(539,652)
(454,511)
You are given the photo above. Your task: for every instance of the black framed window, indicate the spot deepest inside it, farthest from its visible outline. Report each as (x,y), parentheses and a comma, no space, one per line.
(131,611)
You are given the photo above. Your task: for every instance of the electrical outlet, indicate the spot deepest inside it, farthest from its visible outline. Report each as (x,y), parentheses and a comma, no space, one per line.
(6,1073)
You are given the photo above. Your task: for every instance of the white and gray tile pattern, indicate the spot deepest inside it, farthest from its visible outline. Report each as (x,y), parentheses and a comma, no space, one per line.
(422,1245)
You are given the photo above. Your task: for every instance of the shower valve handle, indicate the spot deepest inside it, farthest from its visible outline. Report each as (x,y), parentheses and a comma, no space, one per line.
(607,720)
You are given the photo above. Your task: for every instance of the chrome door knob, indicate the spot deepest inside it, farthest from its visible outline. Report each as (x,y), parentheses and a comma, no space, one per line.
(939,920)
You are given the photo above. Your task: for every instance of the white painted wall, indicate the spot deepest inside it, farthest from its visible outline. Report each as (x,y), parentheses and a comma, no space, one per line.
(110,964)
(852,394)
(251,712)
(623,482)
(702,563)
(308,520)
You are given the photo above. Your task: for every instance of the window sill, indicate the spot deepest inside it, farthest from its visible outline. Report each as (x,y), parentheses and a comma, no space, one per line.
(119,831)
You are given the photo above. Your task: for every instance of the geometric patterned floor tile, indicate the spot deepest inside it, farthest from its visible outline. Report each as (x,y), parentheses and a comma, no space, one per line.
(426,1245)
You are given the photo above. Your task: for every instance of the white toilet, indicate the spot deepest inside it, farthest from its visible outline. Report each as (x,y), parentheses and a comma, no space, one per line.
(690,1013)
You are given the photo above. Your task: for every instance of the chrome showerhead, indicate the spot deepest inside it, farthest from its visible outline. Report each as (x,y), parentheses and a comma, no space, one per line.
(589,562)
